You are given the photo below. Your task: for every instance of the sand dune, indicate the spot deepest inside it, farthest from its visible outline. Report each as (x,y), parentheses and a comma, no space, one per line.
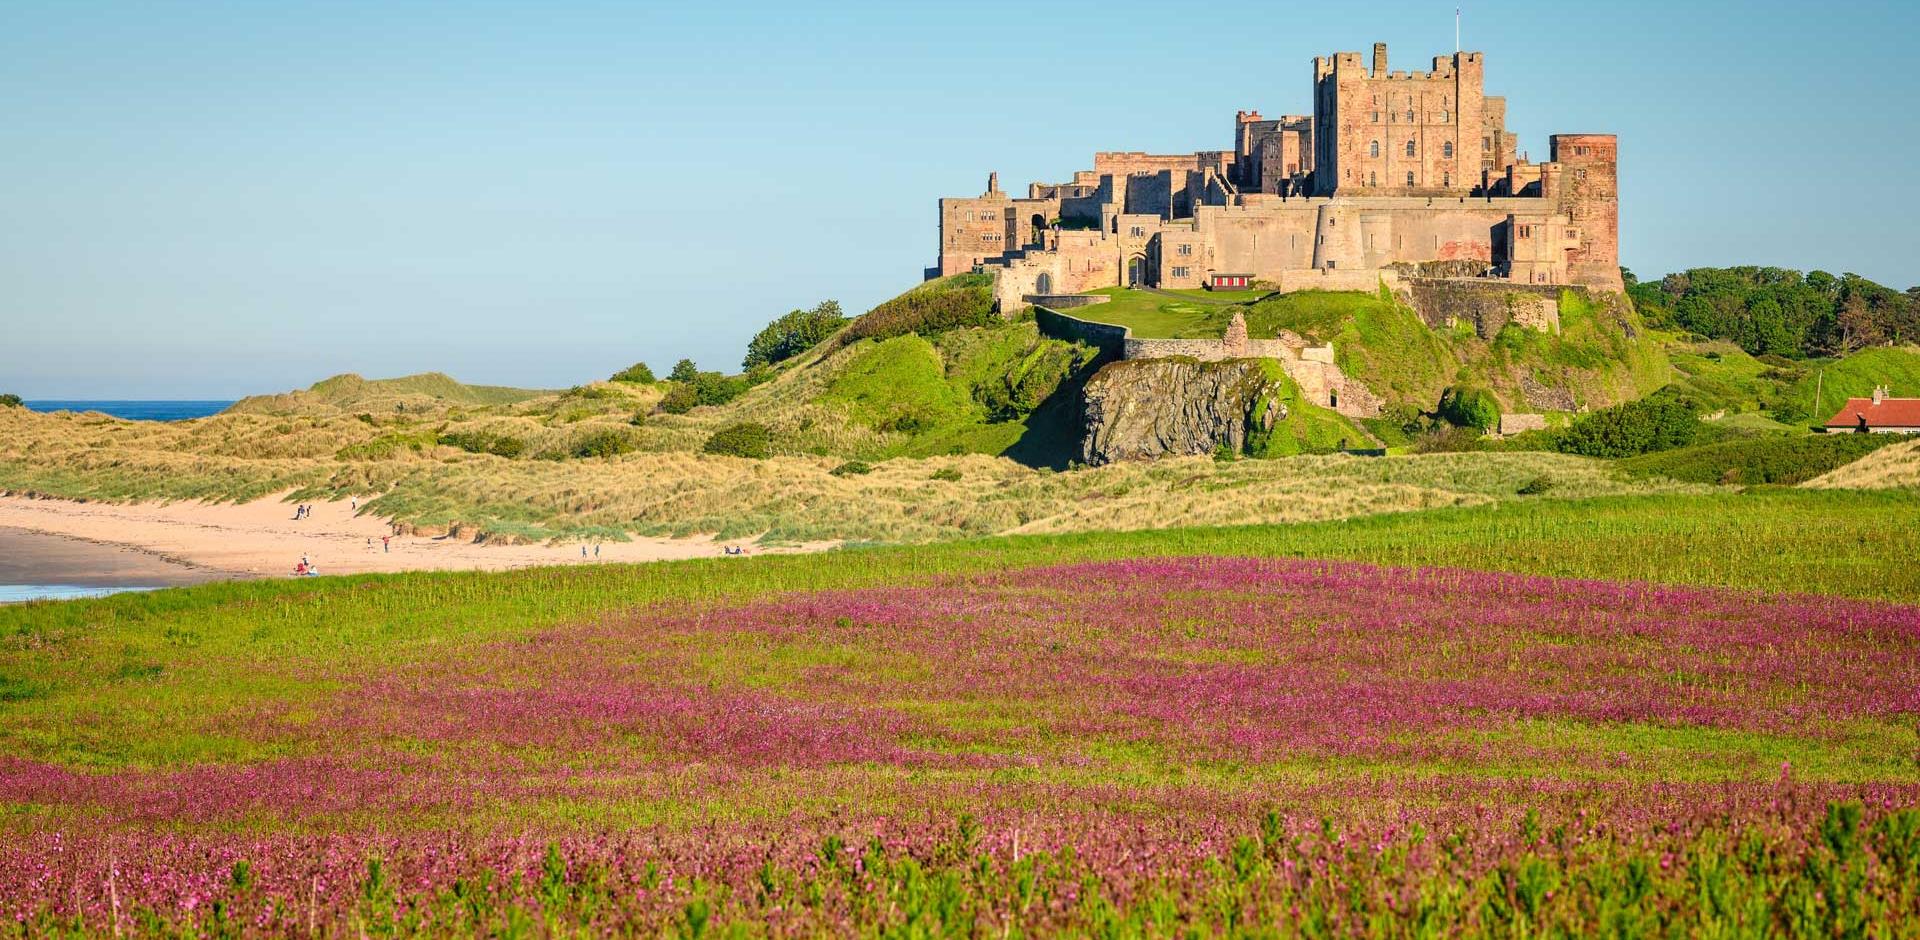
(263,539)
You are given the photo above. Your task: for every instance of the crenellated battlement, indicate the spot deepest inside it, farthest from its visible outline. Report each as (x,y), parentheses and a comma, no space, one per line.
(1392,167)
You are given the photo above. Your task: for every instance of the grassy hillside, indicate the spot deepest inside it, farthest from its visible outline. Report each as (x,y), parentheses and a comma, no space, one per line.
(1896,465)
(1781,459)
(1600,356)
(680,491)
(350,392)
(1827,384)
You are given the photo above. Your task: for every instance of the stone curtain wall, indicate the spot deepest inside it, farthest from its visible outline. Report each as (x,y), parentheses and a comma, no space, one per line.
(1206,350)
(1487,305)
(1321,381)
(1109,339)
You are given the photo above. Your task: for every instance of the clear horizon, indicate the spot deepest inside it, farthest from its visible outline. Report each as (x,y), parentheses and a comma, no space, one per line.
(206,201)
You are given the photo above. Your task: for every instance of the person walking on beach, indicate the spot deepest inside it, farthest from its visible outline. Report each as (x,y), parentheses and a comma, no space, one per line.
(596,550)
(583,551)
(385,546)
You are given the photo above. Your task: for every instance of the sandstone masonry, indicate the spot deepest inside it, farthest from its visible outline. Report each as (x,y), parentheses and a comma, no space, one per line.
(1392,168)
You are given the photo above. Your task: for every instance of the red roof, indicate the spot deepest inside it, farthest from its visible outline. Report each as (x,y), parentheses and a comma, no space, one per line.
(1888,413)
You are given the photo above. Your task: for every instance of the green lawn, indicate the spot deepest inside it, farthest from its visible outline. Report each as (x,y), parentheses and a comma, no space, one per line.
(1158,316)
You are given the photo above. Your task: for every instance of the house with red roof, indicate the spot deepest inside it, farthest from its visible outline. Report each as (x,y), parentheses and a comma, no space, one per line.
(1880,414)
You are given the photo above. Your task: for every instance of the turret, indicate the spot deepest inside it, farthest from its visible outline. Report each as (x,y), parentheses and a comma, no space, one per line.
(1379,60)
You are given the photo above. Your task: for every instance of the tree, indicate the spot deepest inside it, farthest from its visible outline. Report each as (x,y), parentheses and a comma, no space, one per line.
(794,334)
(683,371)
(1466,407)
(1856,325)
(1657,422)
(11,401)
(638,374)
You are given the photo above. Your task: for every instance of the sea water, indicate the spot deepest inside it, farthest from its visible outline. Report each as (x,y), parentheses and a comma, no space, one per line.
(134,410)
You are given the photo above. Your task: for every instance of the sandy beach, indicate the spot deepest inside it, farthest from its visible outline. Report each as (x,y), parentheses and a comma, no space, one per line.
(263,539)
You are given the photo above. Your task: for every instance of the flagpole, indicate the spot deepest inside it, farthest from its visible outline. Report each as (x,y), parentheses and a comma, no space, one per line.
(1456,30)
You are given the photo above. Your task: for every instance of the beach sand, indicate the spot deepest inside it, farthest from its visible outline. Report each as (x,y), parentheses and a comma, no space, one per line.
(263,539)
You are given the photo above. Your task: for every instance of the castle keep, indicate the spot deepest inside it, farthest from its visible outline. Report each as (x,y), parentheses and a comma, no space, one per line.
(1394,172)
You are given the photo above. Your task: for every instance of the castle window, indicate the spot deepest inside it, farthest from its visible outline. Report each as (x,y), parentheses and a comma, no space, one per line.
(1446,150)
(1137,231)
(1373,149)
(1580,174)
(1446,179)
(1443,117)
(1409,178)
(1573,234)
(1373,179)
(1410,150)
(1526,231)
(1179,272)
(988,217)
(1409,117)
(1186,249)
(1376,117)
(1579,151)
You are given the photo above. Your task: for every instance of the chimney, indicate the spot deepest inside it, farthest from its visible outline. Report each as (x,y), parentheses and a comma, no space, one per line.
(993,183)
(1379,60)
(1879,394)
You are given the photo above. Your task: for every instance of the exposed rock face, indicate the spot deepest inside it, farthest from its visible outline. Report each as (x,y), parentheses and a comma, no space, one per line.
(1147,408)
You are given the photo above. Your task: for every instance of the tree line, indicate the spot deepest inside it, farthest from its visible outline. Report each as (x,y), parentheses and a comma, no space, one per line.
(1780,312)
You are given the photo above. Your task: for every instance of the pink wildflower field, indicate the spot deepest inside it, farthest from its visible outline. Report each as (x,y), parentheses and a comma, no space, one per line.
(1158,747)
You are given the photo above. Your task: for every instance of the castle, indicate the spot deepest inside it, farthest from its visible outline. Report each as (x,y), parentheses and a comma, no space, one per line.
(1395,172)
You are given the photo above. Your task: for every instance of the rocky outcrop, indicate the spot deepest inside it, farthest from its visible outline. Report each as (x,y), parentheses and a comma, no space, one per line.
(1151,408)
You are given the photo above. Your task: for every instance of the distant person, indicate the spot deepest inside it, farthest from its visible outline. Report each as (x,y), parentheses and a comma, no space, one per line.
(596,549)
(386,546)
(354,504)
(583,551)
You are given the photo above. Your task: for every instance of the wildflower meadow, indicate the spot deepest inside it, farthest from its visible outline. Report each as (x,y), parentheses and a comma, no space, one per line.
(1158,746)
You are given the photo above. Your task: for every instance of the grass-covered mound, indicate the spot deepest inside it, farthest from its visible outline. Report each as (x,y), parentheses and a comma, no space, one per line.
(941,304)
(1599,356)
(351,393)
(1307,429)
(1827,384)
(1894,466)
(1781,459)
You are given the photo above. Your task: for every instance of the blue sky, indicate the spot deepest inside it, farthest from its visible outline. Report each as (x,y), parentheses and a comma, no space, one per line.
(209,200)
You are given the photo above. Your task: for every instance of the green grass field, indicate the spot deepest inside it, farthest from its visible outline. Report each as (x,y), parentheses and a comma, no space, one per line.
(1092,734)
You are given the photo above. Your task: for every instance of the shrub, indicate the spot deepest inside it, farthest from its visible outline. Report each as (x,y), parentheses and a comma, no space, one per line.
(636,374)
(1448,440)
(1467,407)
(590,393)
(1655,423)
(484,442)
(746,439)
(679,399)
(852,468)
(928,311)
(947,474)
(639,418)
(11,401)
(1781,459)
(386,446)
(683,371)
(1535,486)
(794,334)
(712,388)
(608,443)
